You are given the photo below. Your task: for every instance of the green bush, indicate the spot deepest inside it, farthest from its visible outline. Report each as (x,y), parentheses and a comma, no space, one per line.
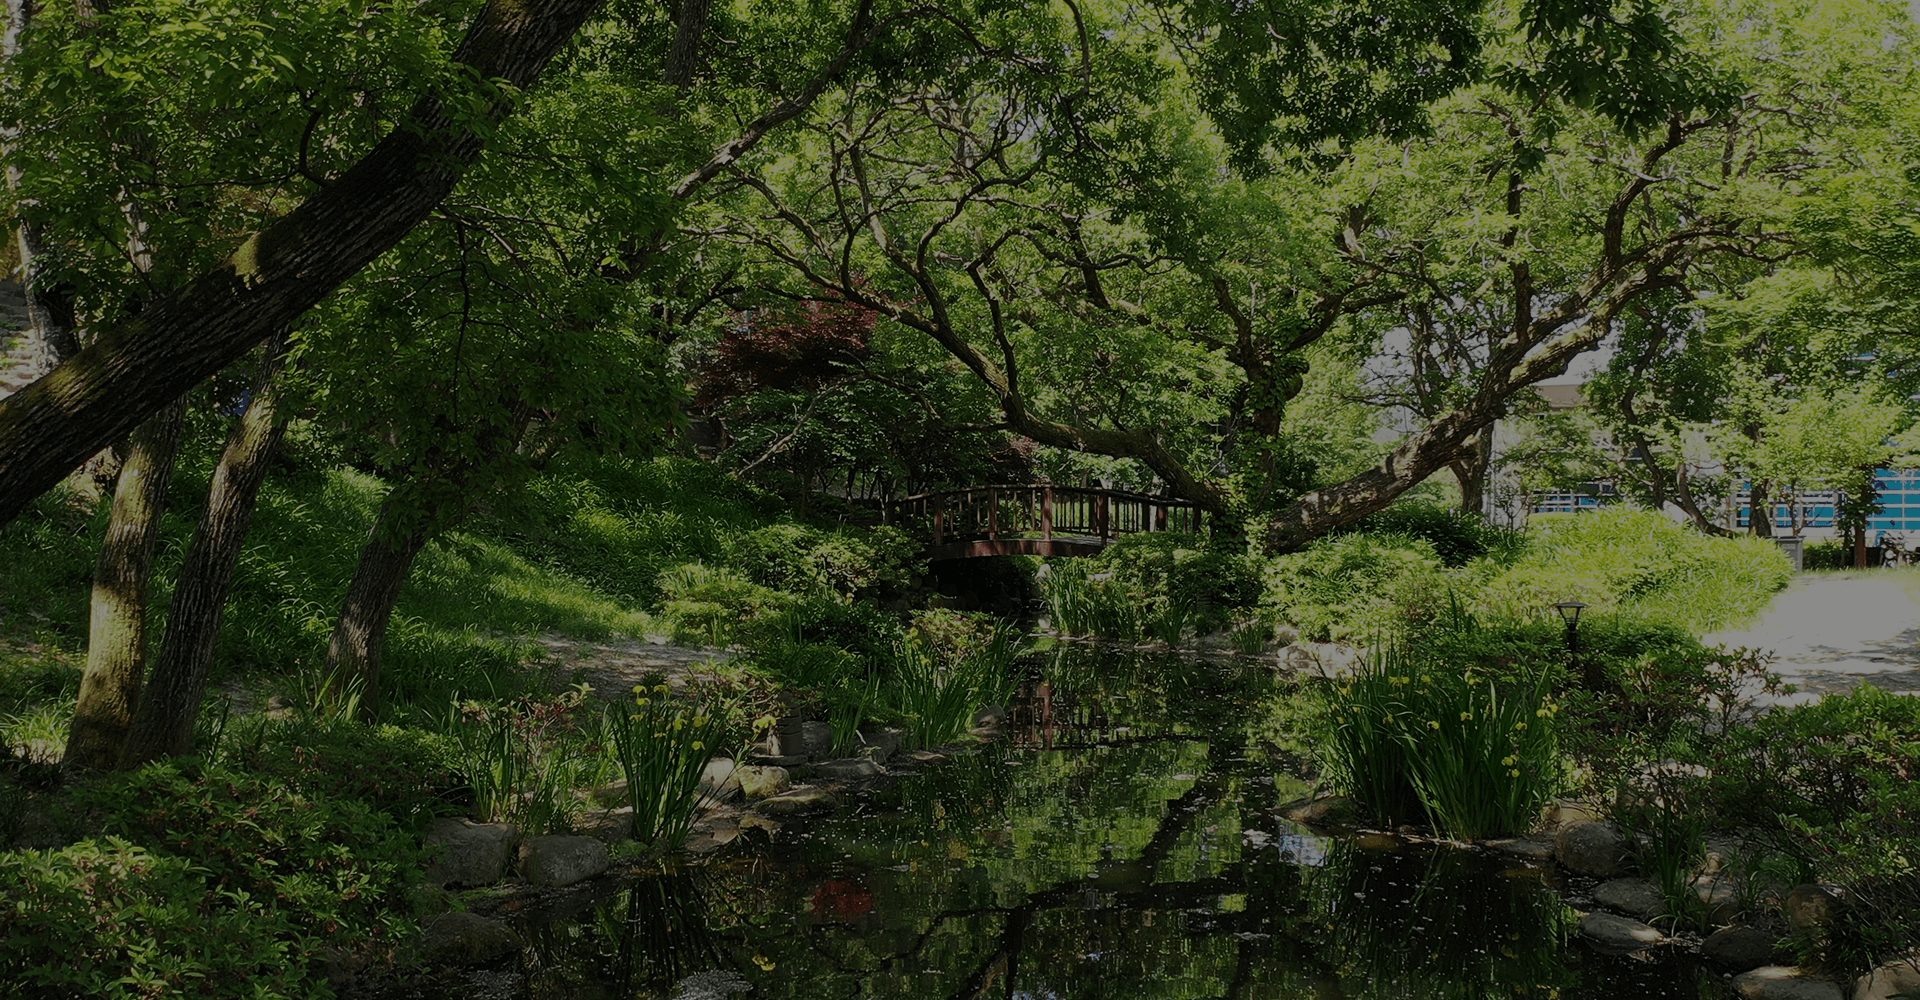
(847,563)
(110,919)
(336,869)
(1159,585)
(1624,558)
(705,604)
(1457,537)
(1356,586)
(409,774)
(1827,555)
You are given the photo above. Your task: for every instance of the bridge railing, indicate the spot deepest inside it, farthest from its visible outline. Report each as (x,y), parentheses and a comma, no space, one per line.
(1045,511)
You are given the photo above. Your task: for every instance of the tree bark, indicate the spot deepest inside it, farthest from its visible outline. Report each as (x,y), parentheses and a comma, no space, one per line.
(1470,471)
(135,367)
(1760,510)
(354,651)
(116,632)
(170,701)
(1323,510)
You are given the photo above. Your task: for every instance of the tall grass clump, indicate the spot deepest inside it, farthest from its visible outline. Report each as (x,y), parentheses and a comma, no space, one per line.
(1472,756)
(937,695)
(524,759)
(662,747)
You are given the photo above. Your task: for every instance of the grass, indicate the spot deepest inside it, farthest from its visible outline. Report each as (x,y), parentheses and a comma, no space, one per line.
(662,747)
(1472,757)
(937,696)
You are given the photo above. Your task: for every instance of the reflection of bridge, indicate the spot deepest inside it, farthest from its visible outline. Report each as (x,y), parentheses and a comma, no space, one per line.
(1041,520)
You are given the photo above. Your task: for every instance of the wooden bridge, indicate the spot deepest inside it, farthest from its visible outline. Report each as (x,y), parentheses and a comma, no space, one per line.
(1038,520)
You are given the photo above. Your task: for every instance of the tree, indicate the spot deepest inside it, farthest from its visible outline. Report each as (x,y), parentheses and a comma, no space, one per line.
(134,366)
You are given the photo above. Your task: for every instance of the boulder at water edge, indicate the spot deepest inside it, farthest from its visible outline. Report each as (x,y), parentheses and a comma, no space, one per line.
(1330,810)
(847,769)
(763,781)
(1738,948)
(555,861)
(1810,906)
(1890,980)
(719,781)
(470,853)
(799,802)
(1591,847)
(1785,982)
(1616,933)
(462,939)
(1635,897)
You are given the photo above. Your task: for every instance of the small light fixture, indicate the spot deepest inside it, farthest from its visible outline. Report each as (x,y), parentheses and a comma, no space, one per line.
(1570,611)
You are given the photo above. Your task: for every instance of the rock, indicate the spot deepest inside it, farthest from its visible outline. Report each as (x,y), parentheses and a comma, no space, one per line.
(558,860)
(1328,810)
(461,939)
(606,825)
(1810,906)
(711,838)
(1591,847)
(471,853)
(717,780)
(1562,813)
(1530,848)
(929,756)
(880,745)
(798,802)
(1785,982)
(1738,948)
(762,782)
(769,828)
(847,769)
(780,760)
(1721,897)
(1321,659)
(1890,980)
(816,739)
(989,715)
(1635,897)
(1616,933)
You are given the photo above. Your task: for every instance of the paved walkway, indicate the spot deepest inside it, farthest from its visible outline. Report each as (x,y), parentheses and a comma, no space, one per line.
(1833,632)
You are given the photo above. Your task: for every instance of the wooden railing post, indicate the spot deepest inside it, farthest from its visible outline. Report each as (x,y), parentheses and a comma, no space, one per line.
(1100,517)
(1159,517)
(939,519)
(993,513)
(1046,512)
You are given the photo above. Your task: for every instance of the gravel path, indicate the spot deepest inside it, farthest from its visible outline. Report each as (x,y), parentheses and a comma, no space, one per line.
(1833,632)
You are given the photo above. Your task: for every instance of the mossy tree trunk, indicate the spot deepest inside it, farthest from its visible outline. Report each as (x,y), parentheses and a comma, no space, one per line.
(170,703)
(117,625)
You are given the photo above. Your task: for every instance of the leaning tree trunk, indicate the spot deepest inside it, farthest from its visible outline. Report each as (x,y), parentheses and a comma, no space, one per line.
(352,674)
(117,628)
(170,702)
(1760,510)
(1290,528)
(133,368)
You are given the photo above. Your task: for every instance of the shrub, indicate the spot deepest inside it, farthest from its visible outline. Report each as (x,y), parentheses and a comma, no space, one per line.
(1827,555)
(1354,586)
(936,695)
(409,774)
(327,870)
(845,563)
(1623,558)
(1457,537)
(90,920)
(1159,585)
(704,604)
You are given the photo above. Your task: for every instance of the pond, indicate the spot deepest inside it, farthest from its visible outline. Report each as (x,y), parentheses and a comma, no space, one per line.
(1120,843)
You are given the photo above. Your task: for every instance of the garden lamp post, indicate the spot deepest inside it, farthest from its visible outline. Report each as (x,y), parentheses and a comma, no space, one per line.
(1570,613)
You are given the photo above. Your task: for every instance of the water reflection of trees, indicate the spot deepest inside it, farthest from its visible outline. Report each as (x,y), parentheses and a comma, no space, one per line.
(1147,863)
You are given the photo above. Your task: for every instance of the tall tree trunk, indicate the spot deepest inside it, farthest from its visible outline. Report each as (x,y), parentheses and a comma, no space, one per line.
(1760,510)
(683,55)
(359,635)
(1470,471)
(133,368)
(170,702)
(48,310)
(116,631)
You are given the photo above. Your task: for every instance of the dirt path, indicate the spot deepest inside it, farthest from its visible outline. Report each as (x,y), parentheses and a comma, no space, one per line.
(1832,633)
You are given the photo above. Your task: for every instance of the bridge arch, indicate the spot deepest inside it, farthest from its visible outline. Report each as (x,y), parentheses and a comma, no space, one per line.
(1038,519)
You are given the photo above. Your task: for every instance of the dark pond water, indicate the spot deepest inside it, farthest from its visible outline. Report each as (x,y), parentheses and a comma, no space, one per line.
(1120,844)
